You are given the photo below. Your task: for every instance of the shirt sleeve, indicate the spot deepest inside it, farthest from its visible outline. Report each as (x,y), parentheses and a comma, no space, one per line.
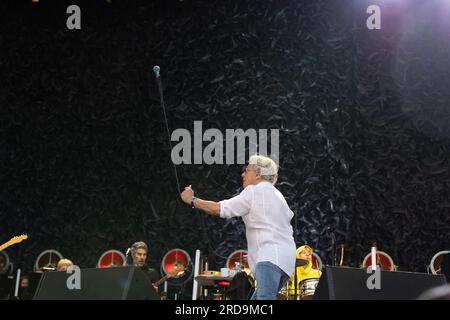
(237,206)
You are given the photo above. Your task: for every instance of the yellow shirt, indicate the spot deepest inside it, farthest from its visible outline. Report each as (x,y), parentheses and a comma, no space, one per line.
(304,273)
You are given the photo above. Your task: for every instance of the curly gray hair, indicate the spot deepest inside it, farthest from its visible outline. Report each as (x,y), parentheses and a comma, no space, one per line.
(265,167)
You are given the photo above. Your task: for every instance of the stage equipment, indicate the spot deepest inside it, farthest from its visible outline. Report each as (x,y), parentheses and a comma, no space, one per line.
(435,264)
(110,259)
(351,284)
(384,261)
(171,260)
(47,260)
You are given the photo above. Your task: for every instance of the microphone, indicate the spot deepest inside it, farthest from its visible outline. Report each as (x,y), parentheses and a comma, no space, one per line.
(156,70)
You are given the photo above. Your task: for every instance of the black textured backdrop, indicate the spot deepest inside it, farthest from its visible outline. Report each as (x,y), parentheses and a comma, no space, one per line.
(363,118)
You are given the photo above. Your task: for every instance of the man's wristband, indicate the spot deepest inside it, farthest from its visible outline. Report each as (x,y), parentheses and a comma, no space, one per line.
(192,202)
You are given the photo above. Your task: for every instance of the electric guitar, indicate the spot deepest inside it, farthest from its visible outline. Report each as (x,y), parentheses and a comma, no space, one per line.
(13,240)
(176,272)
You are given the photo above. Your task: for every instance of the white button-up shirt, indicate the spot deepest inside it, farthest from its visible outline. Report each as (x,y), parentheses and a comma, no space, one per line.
(267,219)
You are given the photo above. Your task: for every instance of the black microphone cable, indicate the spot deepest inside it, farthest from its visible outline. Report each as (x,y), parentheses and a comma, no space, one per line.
(156,70)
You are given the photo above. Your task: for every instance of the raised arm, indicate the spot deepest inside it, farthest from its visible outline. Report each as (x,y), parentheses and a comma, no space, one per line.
(210,207)
(235,207)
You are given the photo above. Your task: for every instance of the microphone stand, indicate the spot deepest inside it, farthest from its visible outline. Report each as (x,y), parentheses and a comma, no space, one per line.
(16,290)
(333,240)
(333,252)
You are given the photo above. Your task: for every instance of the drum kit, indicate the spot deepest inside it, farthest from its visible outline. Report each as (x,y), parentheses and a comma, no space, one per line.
(306,288)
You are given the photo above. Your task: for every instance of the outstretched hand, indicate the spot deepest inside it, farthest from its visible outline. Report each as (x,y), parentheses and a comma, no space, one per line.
(187,195)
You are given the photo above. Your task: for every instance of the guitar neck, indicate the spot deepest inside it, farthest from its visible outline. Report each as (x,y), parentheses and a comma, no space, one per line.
(4,246)
(13,241)
(160,281)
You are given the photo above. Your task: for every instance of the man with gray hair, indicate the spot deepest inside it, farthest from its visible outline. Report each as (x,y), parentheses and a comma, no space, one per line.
(267,217)
(139,252)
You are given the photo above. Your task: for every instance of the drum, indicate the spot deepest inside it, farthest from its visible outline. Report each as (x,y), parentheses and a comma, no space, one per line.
(4,262)
(291,291)
(110,259)
(308,288)
(384,261)
(237,256)
(435,264)
(316,261)
(47,260)
(172,260)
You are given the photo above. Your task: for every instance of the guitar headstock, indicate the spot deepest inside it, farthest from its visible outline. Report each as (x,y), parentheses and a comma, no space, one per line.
(18,239)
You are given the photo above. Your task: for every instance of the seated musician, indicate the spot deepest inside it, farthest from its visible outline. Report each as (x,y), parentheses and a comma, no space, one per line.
(307,271)
(24,282)
(23,285)
(63,265)
(139,253)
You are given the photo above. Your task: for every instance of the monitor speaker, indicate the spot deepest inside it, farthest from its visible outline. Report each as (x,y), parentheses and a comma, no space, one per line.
(121,283)
(337,283)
